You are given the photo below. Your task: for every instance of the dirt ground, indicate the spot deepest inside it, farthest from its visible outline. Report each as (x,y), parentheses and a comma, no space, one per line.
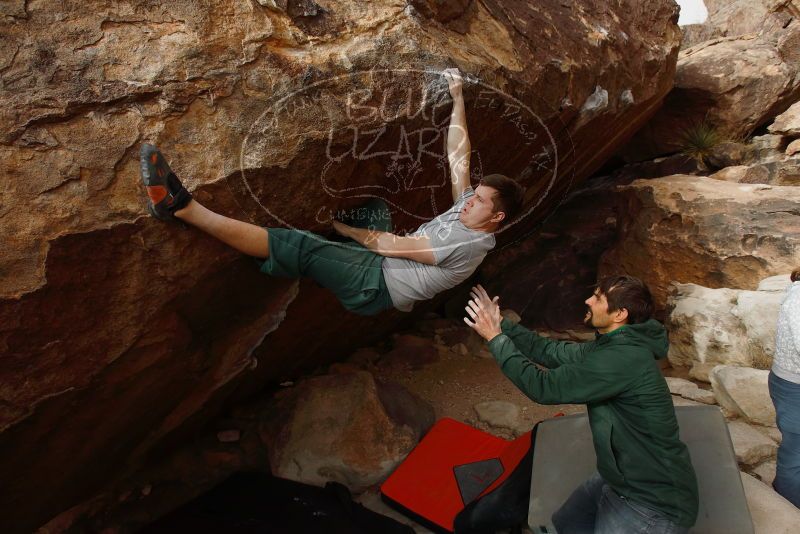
(455,383)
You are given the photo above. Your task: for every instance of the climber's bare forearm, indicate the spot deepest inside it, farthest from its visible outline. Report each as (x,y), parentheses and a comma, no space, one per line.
(458,145)
(415,248)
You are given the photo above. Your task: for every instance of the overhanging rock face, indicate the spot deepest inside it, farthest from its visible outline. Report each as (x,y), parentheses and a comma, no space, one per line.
(116,329)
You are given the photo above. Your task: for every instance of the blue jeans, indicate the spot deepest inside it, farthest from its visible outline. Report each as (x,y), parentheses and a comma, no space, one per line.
(786,398)
(594,508)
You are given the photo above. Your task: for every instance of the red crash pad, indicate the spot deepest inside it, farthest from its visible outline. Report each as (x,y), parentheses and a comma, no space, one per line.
(452,466)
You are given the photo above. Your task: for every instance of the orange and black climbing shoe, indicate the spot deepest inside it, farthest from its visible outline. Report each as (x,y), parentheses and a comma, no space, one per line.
(167,194)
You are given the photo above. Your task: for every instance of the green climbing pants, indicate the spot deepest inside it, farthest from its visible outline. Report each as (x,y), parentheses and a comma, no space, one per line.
(353,272)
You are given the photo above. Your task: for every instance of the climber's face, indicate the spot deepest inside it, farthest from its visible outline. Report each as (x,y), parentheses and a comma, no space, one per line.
(479,212)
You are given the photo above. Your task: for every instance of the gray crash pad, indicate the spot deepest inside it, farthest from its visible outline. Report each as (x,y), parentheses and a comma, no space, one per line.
(564,457)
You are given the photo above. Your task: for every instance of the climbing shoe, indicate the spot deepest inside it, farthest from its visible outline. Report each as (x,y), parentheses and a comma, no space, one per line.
(167,194)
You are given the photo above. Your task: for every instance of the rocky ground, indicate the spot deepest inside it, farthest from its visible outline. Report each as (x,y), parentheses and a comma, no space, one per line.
(465,383)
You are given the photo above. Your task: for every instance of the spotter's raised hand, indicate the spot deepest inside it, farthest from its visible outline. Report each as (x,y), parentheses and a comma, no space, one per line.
(484,312)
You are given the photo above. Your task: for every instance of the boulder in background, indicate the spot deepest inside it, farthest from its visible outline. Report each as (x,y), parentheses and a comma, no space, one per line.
(691,229)
(744,391)
(708,327)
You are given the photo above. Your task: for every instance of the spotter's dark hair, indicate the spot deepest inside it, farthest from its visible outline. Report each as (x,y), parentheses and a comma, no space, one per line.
(629,293)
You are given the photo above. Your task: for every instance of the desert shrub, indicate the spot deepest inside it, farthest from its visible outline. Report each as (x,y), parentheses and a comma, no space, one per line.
(698,140)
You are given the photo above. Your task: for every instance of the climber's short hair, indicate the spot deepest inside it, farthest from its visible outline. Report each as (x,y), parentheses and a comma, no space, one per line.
(509,197)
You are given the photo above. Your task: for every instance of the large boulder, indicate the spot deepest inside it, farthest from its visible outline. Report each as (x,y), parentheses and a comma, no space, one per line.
(338,428)
(708,327)
(275,112)
(736,71)
(744,391)
(698,230)
(734,85)
(548,274)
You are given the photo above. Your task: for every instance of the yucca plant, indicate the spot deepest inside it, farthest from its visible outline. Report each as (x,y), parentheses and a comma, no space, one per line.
(698,141)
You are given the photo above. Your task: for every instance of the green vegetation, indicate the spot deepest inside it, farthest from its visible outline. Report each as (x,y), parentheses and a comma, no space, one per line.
(698,141)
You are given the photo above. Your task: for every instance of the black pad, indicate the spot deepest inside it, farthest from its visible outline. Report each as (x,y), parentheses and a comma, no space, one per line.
(475,477)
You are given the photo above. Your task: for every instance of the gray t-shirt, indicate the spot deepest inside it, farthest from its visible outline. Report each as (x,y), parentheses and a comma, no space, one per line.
(457,251)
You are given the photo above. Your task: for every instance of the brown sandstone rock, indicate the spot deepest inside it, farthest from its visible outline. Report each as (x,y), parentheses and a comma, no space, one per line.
(736,84)
(336,428)
(729,153)
(765,472)
(767,147)
(732,18)
(118,327)
(786,172)
(406,408)
(697,33)
(751,446)
(788,122)
(741,173)
(704,231)
(690,390)
(442,10)
(782,172)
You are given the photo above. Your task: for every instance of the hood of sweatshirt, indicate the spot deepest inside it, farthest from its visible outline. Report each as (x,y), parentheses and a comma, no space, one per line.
(650,334)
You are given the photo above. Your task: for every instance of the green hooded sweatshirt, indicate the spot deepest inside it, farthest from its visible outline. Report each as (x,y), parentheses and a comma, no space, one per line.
(634,429)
